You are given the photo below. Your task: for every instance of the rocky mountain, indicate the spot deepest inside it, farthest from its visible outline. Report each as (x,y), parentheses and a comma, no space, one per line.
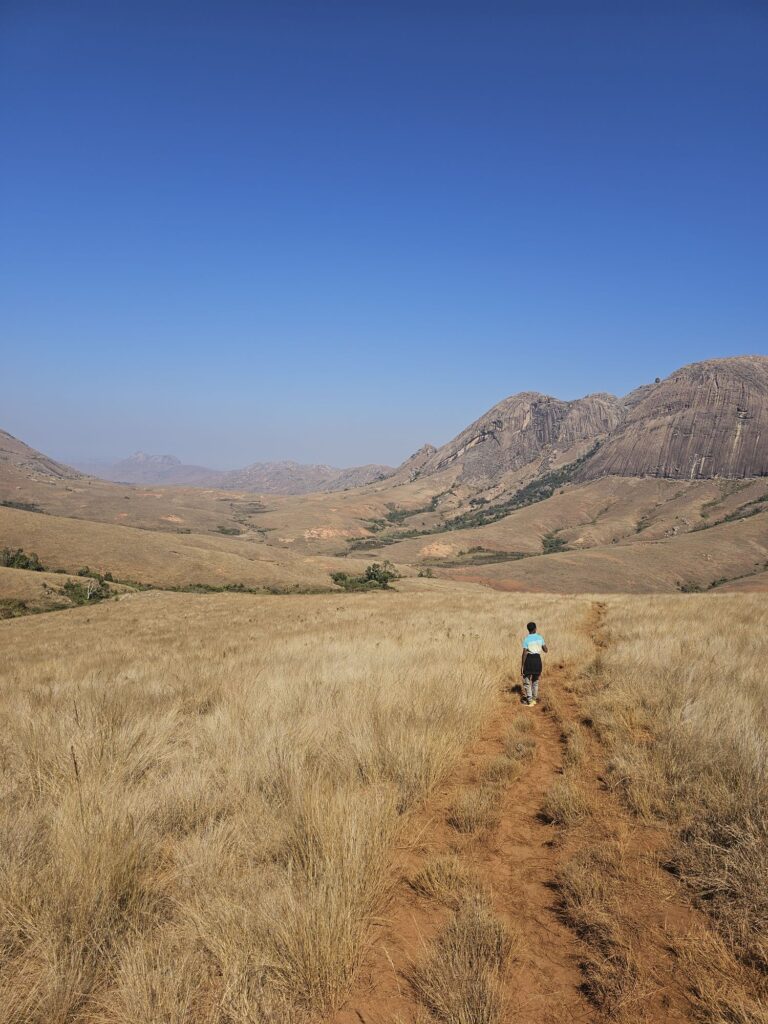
(709,419)
(519,431)
(19,457)
(261,477)
(141,468)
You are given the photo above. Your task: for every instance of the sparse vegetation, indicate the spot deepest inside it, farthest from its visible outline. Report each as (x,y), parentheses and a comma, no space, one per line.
(475,809)
(566,803)
(689,587)
(540,489)
(592,887)
(479,555)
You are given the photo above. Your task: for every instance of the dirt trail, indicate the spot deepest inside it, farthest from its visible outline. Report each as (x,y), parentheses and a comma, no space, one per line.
(516,861)
(655,915)
(519,862)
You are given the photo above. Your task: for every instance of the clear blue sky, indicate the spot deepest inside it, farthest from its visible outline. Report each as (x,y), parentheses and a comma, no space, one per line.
(336,229)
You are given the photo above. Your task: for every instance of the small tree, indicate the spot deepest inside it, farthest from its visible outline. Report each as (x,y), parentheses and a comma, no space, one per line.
(381,573)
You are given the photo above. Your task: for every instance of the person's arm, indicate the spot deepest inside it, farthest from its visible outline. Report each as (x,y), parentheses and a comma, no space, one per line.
(522,662)
(545,648)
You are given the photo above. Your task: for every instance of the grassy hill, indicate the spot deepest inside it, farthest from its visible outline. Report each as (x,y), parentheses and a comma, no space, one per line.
(163,559)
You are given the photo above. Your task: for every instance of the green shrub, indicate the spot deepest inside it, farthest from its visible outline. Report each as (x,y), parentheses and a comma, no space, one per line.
(551,543)
(23,506)
(94,575)
(377,576)
(86,593)
(689,587)
(18,559)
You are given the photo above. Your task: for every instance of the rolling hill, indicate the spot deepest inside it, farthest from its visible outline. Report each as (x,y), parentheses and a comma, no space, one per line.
(664,489)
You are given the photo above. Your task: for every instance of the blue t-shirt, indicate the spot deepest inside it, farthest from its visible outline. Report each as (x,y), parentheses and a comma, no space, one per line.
(533,639)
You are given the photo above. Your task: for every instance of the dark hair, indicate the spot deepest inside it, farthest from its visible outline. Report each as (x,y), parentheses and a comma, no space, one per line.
(531,627)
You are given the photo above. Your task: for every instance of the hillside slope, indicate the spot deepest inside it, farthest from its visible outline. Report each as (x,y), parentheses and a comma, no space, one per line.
(733,551)
(19,460)
(163,559)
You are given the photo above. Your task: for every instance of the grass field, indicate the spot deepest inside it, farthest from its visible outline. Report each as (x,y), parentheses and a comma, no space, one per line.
(206,800)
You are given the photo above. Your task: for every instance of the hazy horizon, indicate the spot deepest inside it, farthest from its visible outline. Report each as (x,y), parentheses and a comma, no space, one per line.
(331,233)
(106,457)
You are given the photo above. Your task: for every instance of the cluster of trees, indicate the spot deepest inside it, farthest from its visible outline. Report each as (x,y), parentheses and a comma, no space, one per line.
(377,576)
(17,558)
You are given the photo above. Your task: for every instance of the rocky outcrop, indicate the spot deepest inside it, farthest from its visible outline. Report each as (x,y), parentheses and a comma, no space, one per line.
(413,465)
(706,420)
(521,430)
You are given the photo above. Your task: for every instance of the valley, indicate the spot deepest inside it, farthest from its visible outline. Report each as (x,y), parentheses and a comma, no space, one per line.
(265,758)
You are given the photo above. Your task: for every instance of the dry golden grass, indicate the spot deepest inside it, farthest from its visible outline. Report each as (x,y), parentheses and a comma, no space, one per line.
(566,803)
(446,880)
(202,794)
(475,809)
(680,698)
(721,989)
(166,559)
(518,748)
(592,888)
(460,977)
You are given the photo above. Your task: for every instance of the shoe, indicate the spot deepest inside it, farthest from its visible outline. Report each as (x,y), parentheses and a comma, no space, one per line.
(534,702)
(527,703)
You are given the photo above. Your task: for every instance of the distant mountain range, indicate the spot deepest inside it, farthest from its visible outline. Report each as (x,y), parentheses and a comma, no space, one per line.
(259,477)
(706,420)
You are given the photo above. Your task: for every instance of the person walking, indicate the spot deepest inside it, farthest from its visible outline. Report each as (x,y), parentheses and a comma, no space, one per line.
(531,667)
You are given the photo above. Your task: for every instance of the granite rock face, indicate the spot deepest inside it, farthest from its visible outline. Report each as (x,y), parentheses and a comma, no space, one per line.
(520,430)
(706,420)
